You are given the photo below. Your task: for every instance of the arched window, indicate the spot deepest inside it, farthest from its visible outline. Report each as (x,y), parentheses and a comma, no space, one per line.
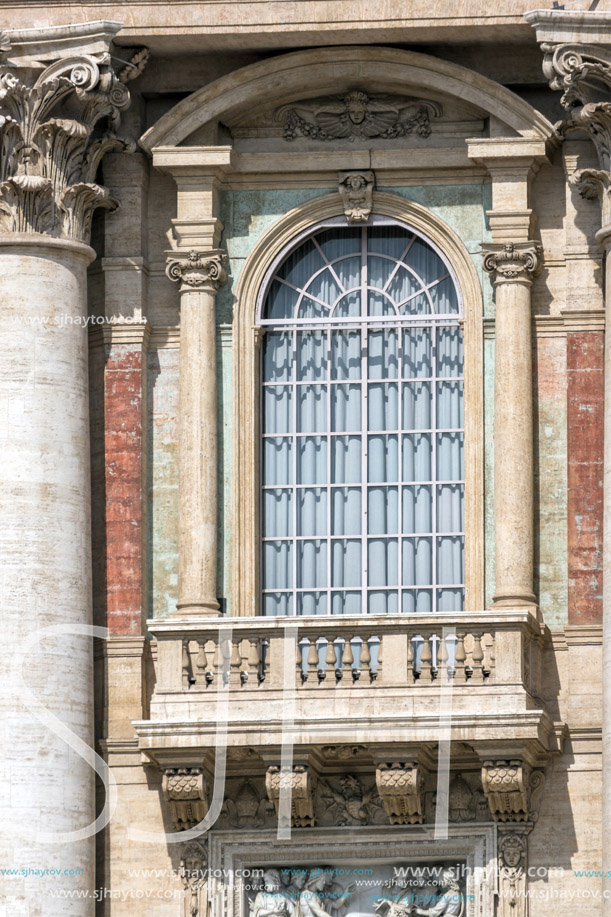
(362,426)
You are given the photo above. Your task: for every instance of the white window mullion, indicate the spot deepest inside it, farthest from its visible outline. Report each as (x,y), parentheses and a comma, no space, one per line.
(364,426)
(294,462)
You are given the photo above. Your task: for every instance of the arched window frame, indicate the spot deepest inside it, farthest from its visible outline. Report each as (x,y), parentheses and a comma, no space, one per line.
(285,235)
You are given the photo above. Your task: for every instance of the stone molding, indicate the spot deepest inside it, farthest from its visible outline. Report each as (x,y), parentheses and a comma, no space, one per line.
(301,784)
(401,789)
(50,152)
(356,192)
(198,270)
(512,262)
(186,791)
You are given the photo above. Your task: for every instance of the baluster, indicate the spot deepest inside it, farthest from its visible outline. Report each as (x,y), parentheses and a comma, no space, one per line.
(244,648)
(442,658)
(312,658)
(186,664)
(210,660)
(331,657)
(348,658)
(380,659)
(426,659)
(460,656)
(234,661)
(411,676)
(320,652)
(200,661)
(366,658)
(477,654)
(254,660)
(225,660)
(486,654)
(340,646)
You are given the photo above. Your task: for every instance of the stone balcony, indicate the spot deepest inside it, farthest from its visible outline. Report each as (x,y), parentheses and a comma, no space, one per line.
(372,681)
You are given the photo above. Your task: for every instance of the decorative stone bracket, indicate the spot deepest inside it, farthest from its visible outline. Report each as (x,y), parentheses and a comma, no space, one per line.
(49,137)
(512,791)
(301,784)
(401,789)
(356,192)
(186,791)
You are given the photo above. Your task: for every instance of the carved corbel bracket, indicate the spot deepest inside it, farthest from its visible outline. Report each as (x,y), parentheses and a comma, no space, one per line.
(356,192)
(401,789)
(512,790)
(301,784)
(186,791)
(198,270)
(512,262)
(576,69)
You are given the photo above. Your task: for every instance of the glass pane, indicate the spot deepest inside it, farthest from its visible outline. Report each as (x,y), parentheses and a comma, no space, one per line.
(383,566)
(312,603)
(450,406)
(382,603)
(379,303)
(277,565)
(312,460)
(417,406)
(417,453)
(311,355)
(389,240)
(277,604)
(383,459)
(444,296)
(325,287)
(345,563)
(346,603)
(345,408)
(311,564)
(417,562)
(382,354)
(277,409)
(416,304)
(403,286)
(277,513)
(312,511)
(346,459)
(349,306)
(379,271)
(382,510)
(312,308)
(450,354)
(382,407)
(417,509)
(277,357)
(450,599)
(346,355)
(281,302)
(348,271)
(450,507)
(450,561)
(450,457)
(277,461)
(312,415)
(301,264)
(417,350)
(338,242)
(417,601)
(426,262)
(346,511)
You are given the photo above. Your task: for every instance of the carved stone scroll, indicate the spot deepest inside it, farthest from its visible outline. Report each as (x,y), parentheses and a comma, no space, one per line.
(299,780)
(186,790)
(401,789)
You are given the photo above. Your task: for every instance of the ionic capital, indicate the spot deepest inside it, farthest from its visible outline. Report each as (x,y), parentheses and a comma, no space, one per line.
(512,262)
(199,270)
(50,161)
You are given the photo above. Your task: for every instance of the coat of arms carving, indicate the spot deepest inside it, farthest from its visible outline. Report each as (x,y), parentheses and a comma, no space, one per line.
(357,116)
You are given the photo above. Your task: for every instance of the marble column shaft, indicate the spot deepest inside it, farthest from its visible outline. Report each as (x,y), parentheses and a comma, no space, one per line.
(512,267)
(200,275)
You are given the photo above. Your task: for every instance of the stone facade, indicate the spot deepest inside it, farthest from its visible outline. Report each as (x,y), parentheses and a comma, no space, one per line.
(154,169)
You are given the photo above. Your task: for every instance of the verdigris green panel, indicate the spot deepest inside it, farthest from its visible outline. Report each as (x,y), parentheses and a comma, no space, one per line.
(489,571)
(162,481)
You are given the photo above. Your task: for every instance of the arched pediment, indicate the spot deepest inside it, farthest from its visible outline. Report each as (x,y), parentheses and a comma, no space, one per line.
(311,74)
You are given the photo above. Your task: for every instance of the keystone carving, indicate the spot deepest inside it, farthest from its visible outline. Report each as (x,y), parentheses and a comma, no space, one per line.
(186,790)
(513,792)
(401,789)
(356,192)
(50,144)
(357,116)
(512,262)
(198,270)
(299,780)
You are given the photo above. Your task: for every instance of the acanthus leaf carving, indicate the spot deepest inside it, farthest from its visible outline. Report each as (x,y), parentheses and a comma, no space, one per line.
(357,115)
(47,135)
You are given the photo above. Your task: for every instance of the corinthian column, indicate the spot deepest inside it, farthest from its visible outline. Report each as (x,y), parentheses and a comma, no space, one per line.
(200,276)
(48,113)
(512,266)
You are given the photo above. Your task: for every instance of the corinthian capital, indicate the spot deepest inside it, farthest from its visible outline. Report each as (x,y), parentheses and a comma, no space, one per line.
(199,270)
(512,262)
(48,115)
(577,69)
